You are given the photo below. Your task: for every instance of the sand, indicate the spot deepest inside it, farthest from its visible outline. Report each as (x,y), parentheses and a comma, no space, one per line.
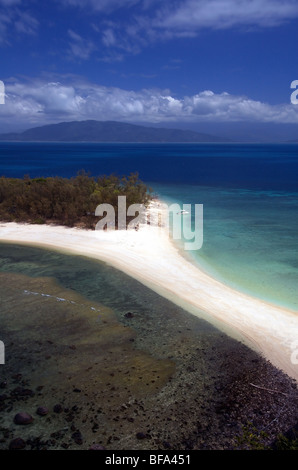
(149,256)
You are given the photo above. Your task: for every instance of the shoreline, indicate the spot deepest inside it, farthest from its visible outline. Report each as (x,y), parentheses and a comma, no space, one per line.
(149,256)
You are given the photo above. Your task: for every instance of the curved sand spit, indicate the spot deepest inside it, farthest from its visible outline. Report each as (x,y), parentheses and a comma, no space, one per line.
(149,256)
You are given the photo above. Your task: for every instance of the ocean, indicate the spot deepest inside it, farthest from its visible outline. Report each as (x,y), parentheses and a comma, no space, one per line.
(249,193)
(111,359)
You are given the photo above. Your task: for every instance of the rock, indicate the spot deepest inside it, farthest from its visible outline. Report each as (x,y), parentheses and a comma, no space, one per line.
(129,315)
(17,377)
(58,409)
(77,437)
(23,418)
(166,445)
(42,411)
(22,392)
(3,384)
(97,447)
(17,444)
(141,435)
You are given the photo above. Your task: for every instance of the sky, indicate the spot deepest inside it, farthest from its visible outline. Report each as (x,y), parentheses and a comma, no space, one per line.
(179,63)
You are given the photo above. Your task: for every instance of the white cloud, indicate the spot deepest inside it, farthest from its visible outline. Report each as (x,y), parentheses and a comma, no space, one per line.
(142,22)
(199,13)
(10,3)
(108,37)
(107,6)
(193,15)
(38,103)
(79,47)
(26,24)
(4,24)
(15,21)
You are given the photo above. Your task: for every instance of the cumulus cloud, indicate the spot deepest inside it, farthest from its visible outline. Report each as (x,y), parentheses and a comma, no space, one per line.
(39,103)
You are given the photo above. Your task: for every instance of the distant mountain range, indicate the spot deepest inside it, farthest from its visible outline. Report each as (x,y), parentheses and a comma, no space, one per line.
(107,131)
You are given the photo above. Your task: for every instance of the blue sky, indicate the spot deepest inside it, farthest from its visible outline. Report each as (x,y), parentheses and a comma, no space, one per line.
(187,62)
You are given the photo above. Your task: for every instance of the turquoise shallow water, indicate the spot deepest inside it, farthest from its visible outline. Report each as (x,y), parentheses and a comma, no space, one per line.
(250,238)
(249,193)
(250,203)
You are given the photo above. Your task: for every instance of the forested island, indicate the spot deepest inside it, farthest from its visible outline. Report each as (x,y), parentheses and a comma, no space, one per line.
(67,201)
(107,131)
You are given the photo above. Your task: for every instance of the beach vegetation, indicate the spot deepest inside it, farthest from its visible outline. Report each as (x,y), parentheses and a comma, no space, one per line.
(287,441)
(67,201)
(252,438)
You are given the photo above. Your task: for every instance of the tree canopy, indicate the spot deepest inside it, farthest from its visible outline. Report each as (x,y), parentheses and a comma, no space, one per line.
(71,202)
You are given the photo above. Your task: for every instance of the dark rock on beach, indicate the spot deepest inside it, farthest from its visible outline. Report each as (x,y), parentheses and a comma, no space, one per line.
(20,393)
(58,409)
(141,435)
(23,418)
(97,447)
(17,444)
(42,411)
(129,315)
(77,437)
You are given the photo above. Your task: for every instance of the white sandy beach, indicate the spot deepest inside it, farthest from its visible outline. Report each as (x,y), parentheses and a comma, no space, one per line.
(149,256)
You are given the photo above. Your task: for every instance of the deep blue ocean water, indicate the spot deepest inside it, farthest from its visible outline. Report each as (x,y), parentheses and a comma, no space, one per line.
(250,166)
(249,193)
